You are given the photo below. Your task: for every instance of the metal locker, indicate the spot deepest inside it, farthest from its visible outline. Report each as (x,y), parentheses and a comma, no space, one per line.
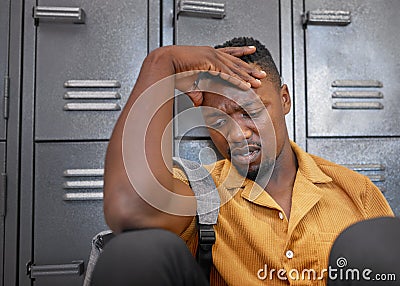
(3,181)
(351,66)
(68,210)
(213,22)
(88,57)
(4,79)
(374,157)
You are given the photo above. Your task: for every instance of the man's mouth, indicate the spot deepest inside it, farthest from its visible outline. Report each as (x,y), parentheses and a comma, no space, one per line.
(246,155)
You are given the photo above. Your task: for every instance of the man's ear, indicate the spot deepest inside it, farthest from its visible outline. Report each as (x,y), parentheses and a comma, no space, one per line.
(285,97)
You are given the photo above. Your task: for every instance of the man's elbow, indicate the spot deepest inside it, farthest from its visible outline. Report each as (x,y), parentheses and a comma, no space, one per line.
(120,213)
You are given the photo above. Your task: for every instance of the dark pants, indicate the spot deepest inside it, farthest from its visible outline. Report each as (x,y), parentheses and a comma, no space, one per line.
(367,253)
(147,257)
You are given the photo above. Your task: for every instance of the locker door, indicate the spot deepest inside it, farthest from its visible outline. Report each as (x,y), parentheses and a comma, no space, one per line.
(210,23)
(4,18)
(352,67)
(2,204)
(88,56)
(375,158)
(68,210)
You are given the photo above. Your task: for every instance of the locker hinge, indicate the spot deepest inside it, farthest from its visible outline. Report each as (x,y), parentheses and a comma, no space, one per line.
(6,96)
(3,194)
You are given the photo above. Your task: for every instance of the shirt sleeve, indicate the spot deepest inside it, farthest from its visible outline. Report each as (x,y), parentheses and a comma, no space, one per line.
(375,203)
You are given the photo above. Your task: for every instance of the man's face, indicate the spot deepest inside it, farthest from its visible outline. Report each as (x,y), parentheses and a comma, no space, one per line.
(247,127)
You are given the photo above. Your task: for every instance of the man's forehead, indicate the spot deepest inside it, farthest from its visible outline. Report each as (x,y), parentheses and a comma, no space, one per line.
(220,92)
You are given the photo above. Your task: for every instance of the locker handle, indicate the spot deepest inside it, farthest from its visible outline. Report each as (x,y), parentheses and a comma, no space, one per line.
(327,17)
(74,15)
(74,268)
(201,9)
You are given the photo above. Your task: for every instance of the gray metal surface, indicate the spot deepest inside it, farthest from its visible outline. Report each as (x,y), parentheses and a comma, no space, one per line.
(67,215)
(360,57)
(12,219)
(2,205)
(4,87)
(196,29)
(4,30)
(373,157)
(109,47)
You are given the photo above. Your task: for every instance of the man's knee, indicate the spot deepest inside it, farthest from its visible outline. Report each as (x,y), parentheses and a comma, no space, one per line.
(143,245)
(152,256)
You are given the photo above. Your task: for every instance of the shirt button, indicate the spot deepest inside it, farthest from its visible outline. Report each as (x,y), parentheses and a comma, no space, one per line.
(281,215)
(289,254)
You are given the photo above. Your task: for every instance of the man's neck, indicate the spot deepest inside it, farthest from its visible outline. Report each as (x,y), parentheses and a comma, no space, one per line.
(280,185)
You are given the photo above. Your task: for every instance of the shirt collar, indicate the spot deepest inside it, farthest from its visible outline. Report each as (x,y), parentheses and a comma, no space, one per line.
(231,179)
(307,166)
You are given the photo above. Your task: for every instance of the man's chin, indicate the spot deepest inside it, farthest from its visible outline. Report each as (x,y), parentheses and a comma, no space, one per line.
(258,173)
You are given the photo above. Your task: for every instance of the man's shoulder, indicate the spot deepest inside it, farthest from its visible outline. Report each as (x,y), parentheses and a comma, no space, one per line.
(331,168)
(341,174)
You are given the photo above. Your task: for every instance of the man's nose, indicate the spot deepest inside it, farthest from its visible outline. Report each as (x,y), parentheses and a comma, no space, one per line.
(238,132)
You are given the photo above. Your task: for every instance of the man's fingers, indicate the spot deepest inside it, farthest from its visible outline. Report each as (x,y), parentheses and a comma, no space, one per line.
(238,51)
(196,96)
(241,70)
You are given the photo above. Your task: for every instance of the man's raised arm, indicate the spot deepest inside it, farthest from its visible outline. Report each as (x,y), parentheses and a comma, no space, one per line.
(139,188)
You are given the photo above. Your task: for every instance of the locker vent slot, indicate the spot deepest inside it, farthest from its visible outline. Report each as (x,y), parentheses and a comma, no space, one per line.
(79,187)
(375,172)
(95,196)
(92,95)
(357,94)
(84,173)
(95,184)
(327,17)
(92,83)
(357,83)
(201,9)
(365,167)
(89,100)
(354,95)
(59,14)
(92,107)
(357,105)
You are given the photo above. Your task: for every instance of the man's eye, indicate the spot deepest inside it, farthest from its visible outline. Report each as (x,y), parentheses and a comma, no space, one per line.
(252,114)
(218,123)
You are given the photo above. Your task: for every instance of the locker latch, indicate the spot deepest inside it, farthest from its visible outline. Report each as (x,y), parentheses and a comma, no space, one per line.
(201,9)
(74,15)
(36,271)
(327,18)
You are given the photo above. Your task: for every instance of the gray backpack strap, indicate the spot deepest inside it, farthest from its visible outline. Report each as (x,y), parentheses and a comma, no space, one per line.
(208,203)
(98,242)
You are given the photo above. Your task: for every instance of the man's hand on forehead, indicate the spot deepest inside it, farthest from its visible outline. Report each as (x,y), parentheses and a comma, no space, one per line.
(224,63)
(215,85)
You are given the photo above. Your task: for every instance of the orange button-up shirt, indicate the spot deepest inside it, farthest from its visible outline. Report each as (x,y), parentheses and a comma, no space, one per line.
(255,242)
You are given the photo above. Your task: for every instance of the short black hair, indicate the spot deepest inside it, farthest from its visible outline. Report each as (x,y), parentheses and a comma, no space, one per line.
(262,56)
